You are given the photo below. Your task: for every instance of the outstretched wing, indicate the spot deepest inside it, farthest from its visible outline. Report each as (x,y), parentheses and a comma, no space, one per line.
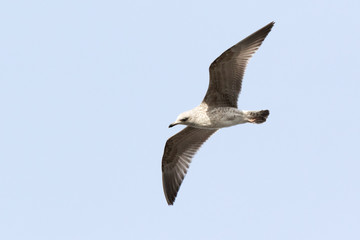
(179,150)
(227,71)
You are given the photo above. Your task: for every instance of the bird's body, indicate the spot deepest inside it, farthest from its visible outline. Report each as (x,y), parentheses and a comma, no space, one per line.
(206,117)
(217,110)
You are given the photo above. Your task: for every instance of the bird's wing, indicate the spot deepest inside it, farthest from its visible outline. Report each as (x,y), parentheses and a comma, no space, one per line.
(179,150)
(227,71)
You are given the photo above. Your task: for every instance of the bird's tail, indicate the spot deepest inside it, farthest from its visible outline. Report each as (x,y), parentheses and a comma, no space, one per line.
(258,116)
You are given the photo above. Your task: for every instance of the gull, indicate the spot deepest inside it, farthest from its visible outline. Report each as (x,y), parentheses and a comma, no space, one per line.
(217,110)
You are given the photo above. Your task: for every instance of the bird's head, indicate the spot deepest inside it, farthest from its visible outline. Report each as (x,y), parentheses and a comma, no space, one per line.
(183,118)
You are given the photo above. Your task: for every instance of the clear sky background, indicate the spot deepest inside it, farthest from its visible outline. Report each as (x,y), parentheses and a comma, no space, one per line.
(88,89)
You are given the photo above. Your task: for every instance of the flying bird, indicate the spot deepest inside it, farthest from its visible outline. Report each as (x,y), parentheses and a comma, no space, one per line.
(217,110)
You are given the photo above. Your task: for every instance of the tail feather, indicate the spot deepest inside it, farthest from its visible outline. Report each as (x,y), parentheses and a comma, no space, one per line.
(258,116)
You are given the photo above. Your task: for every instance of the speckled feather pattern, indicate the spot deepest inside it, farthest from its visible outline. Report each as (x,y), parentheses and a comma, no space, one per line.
(218,110)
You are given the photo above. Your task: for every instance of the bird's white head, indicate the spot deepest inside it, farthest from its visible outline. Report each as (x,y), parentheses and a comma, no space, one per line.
(184,119)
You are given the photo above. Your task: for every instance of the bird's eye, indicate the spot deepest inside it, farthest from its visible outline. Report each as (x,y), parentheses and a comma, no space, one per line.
(184,119)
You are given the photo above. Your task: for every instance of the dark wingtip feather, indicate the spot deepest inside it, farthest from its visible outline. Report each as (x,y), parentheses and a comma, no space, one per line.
(270,25)
(264,31)
(171,188)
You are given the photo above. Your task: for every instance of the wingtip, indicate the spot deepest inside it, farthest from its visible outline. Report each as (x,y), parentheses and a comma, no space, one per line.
(169,191)
(264,30)
(270,25)
(170,202)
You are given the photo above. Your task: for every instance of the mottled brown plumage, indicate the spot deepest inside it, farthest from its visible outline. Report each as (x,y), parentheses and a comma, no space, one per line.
(218,110)
(179,150)
(227,71)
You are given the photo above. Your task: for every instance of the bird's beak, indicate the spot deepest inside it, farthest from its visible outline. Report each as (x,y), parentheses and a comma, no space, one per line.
(173,124)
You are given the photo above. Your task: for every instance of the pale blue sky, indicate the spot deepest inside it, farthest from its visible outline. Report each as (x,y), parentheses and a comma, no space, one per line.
(88,89)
